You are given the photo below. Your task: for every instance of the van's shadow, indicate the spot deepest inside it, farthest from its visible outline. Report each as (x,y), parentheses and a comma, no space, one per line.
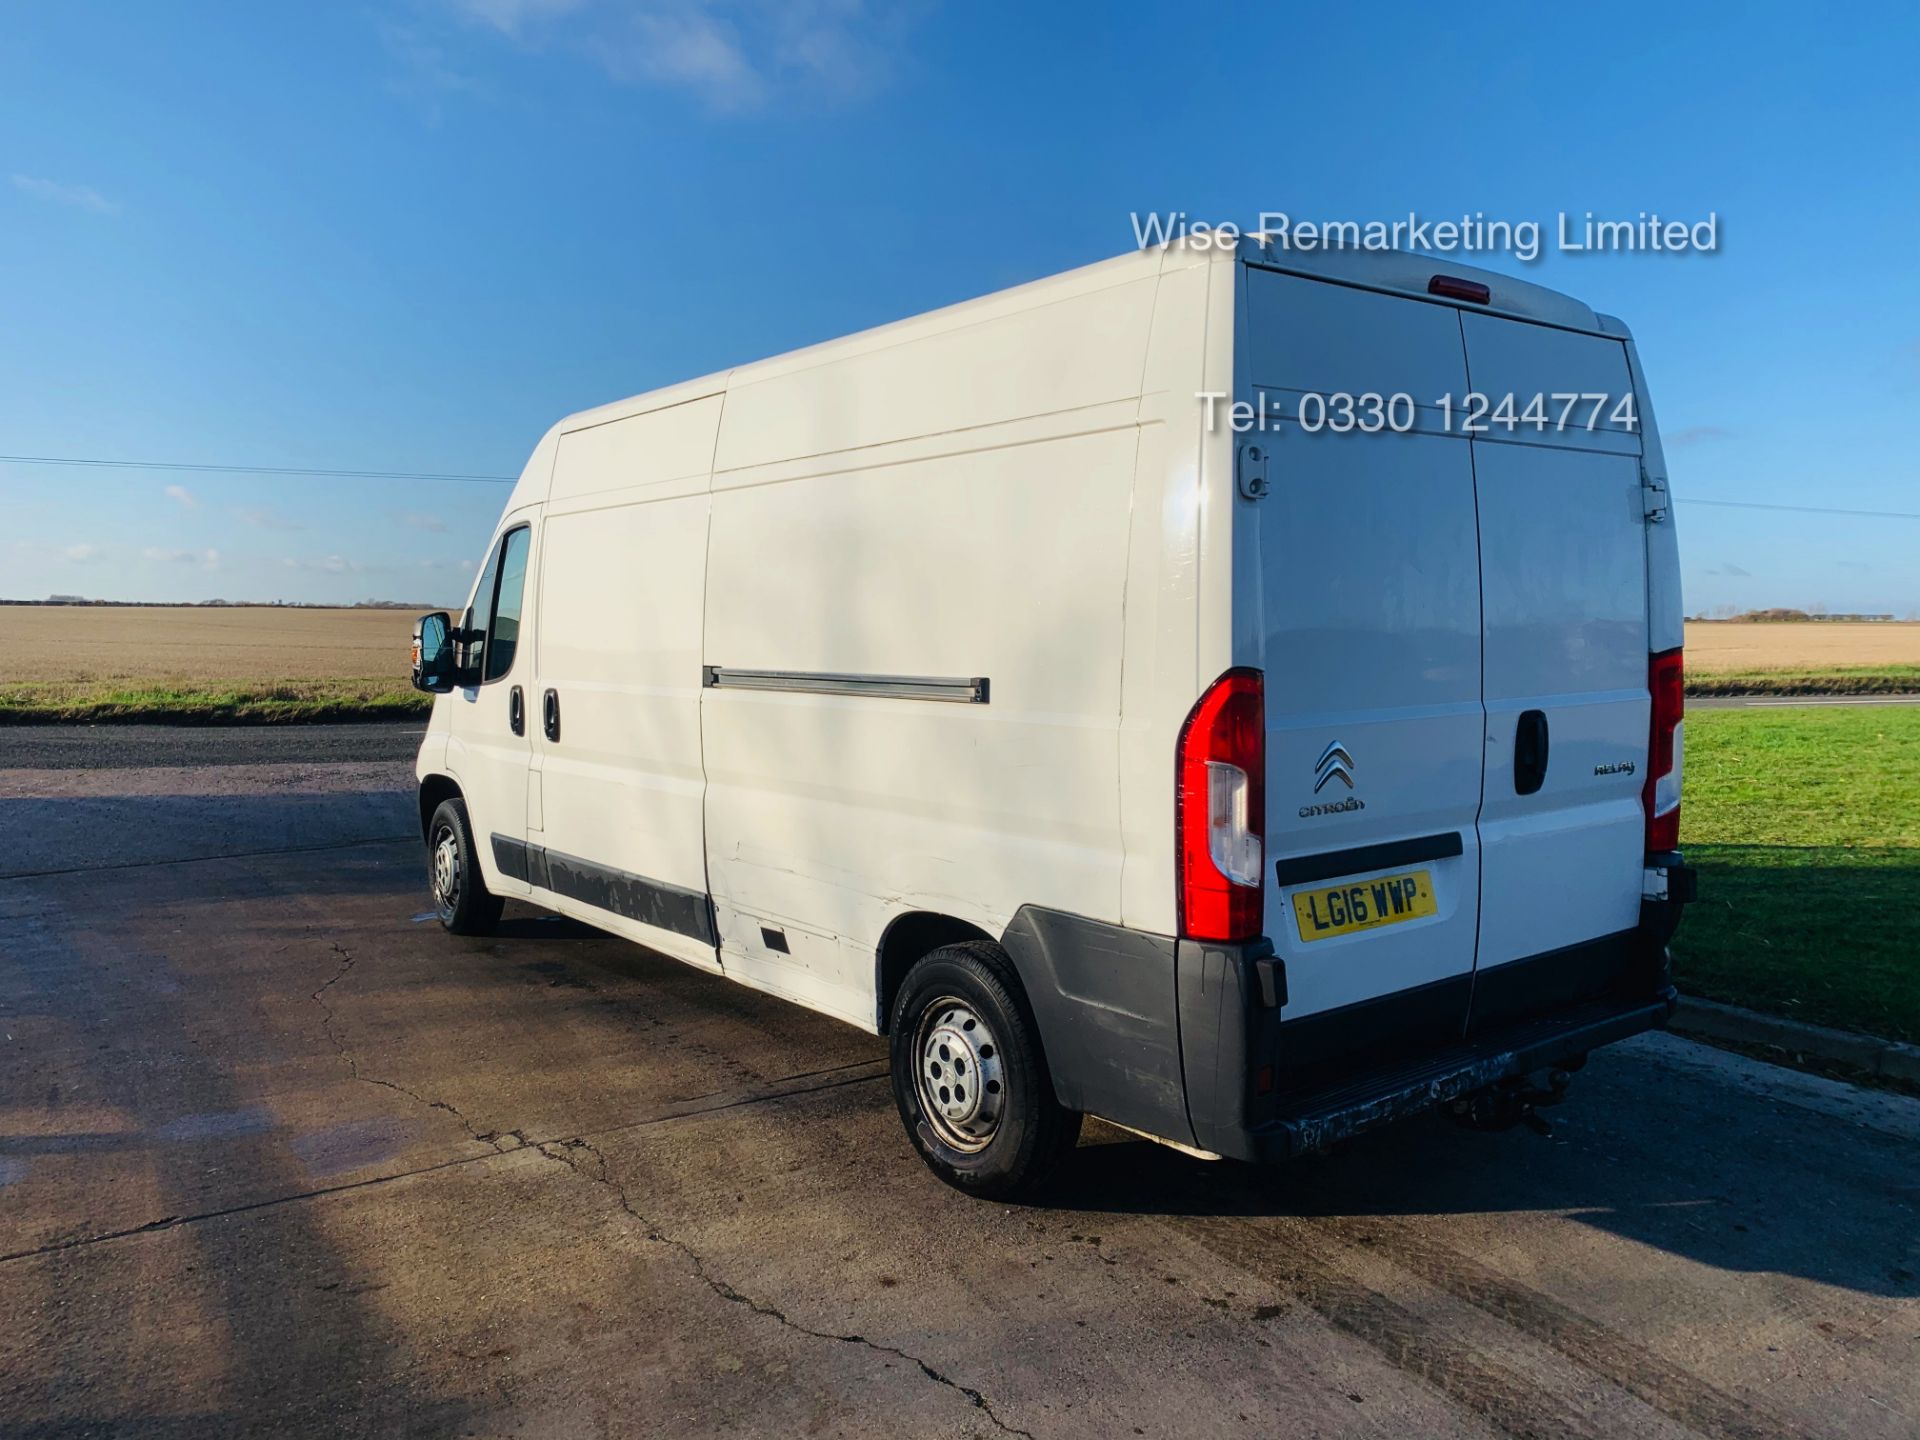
(1761,1189)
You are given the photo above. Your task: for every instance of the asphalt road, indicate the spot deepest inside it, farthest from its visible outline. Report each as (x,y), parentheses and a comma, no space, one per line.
(278,1157)
(124,747)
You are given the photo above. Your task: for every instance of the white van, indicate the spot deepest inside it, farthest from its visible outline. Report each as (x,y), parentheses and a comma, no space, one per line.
(1234,699)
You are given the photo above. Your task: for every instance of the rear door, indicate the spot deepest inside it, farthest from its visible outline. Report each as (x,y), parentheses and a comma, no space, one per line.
(1367,607)
(1563,585)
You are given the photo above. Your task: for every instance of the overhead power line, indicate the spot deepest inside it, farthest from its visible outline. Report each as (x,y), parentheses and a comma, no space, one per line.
(253,469)
(1803,509)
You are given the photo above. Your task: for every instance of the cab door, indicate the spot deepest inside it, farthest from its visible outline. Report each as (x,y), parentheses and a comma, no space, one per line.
(488,745)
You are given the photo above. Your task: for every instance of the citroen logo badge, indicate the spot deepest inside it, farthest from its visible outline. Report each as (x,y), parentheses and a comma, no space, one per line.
(1334,762)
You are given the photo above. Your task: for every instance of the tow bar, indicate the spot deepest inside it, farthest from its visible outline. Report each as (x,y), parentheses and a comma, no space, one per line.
(1508,1103)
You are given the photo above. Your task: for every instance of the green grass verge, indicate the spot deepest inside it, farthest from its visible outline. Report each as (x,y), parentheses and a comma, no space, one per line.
(1805,825)
(282,702)
(1834,680)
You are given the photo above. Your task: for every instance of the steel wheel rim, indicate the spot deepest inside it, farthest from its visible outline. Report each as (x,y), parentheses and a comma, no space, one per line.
(446,869)
(959,1075)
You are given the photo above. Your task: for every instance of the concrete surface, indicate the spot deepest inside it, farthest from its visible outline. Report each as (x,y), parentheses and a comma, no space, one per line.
(278,1157)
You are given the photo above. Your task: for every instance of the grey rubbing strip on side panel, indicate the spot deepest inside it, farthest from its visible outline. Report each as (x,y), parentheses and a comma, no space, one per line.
(511,857)
(966,690)
(651,902)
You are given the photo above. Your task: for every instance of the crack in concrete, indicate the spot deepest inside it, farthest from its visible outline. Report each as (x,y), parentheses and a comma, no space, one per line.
(205,859)
(557,1150)
(169,1222)
(494,1139)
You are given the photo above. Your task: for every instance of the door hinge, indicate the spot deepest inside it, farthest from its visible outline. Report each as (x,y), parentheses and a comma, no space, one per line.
(1653,496)
(1250,470)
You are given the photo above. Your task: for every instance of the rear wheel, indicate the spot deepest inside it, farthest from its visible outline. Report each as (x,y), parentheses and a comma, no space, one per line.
(969,1076)
(460,895)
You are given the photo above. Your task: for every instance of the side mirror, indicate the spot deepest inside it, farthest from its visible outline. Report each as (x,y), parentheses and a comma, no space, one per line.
(434,667)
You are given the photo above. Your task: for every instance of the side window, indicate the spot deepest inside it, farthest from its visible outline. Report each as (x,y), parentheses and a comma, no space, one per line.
(477,610)
(503,632)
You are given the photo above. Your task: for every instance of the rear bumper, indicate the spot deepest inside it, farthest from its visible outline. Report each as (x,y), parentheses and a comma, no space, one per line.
(1310,1122)
(1260,1087)
(1185,1040)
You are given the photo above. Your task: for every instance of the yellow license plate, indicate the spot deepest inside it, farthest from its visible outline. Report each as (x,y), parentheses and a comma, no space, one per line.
(1363,905)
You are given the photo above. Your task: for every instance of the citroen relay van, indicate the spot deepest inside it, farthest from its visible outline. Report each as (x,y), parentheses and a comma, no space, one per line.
(1236,698)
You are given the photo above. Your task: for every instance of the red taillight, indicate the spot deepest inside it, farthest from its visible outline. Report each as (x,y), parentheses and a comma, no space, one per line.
(1221,775)
(1455,288)
(1661,795)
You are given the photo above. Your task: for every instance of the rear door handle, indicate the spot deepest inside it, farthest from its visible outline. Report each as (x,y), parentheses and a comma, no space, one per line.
(517,711)
(550,714)
(1530,752)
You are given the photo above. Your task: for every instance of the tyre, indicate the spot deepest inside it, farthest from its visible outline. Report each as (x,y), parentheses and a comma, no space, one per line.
(460,895)
(970,1078)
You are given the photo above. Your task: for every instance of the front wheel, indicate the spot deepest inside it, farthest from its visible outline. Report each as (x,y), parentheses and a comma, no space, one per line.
(460,895)
(970,1078)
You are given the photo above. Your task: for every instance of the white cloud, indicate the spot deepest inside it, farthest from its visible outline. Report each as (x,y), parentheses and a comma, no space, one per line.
(80,197)
(81,554)
(183,497)
(692,50)
(432,524)
(265,518)
(734,55)
(423,71)
(325,564)
(510,17)
(205,559)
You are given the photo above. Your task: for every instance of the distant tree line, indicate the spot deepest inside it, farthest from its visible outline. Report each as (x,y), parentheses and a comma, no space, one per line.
(1781,614)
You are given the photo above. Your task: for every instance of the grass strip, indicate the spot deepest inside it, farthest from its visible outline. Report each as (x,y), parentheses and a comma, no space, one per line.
(210,703)
(1834,680)
(1805,825)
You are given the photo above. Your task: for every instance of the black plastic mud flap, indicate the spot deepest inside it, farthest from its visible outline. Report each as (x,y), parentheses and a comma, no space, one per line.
(1230,999)
(1103,997)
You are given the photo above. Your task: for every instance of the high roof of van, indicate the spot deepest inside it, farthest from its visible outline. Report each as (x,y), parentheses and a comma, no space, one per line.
(1393,271)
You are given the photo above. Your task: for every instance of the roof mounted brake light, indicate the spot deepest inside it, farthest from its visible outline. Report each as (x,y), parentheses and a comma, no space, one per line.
(1457,289)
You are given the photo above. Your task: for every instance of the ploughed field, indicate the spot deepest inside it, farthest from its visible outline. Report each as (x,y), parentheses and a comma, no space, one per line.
(97,662)
(1805,658)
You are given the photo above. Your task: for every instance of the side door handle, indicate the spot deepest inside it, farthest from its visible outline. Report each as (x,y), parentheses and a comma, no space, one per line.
(517,711)
(1530,752)
(550,714)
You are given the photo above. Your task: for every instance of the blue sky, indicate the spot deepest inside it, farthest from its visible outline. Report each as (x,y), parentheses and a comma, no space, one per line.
(410,234)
